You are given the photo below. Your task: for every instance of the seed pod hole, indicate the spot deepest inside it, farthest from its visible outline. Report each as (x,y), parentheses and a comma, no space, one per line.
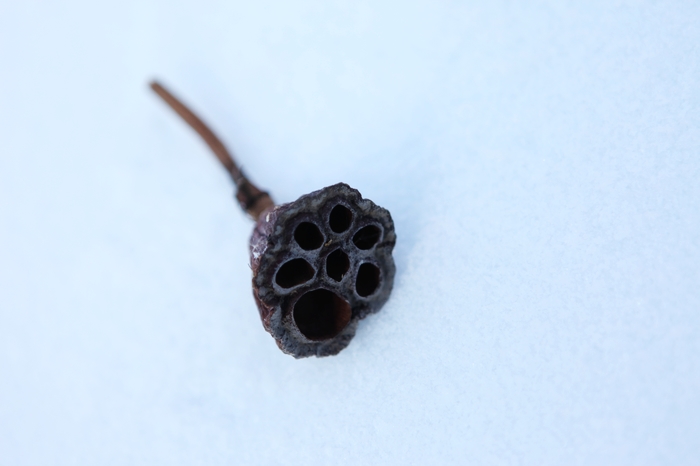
(308,236)
(321,314)
(367,237)
(367,279)
(293,273)
(340,218)
(337,264)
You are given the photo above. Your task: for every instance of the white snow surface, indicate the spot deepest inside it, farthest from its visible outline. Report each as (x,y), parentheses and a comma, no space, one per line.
(541,161)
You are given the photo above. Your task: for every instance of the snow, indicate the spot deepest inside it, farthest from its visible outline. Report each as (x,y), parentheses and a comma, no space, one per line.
(540,160)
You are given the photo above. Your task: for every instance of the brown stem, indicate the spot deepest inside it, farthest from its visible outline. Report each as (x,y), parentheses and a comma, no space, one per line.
(252,199)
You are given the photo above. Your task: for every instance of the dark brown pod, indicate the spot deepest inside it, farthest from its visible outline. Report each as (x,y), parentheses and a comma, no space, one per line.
(320,263)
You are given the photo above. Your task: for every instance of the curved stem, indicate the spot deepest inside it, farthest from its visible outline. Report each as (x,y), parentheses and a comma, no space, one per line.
(250,197)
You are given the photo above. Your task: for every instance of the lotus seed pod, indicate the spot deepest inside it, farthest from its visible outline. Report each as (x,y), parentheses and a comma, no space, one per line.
(320,264)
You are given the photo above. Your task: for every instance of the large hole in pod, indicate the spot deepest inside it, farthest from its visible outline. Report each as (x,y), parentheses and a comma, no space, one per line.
(337,264)
(308,236)
(367,237)
(340,218)
(367,279)
(293,273)
(321,314)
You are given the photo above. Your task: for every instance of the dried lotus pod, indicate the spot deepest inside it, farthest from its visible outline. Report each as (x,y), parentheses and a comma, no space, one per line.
(320,263)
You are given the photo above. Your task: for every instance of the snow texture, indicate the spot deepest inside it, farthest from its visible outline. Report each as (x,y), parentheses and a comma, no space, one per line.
(541,161)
